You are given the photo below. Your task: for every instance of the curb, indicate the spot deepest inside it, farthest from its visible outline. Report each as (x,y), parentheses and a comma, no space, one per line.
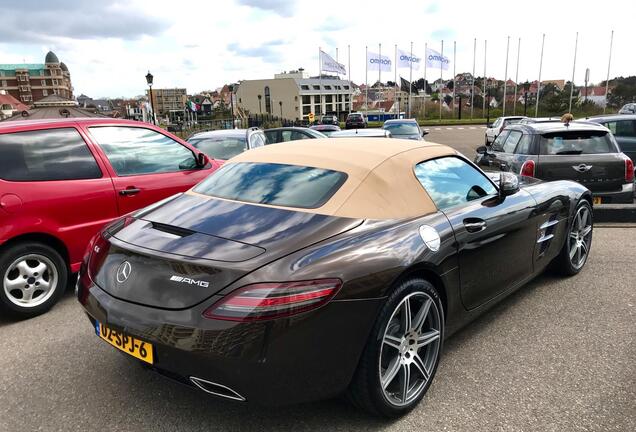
(620,213)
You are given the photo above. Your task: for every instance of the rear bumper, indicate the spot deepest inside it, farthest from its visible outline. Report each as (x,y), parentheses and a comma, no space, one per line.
(624,196)
(307,357)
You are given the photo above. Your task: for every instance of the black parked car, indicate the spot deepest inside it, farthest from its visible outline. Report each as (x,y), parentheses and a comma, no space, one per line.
(355,120)
(330,119)
(301,272)
(226,143)
(284,134)
(623,127)
(583,152)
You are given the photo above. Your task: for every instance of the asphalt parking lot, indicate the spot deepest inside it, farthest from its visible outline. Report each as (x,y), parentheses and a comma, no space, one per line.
(463,138)
(558,355)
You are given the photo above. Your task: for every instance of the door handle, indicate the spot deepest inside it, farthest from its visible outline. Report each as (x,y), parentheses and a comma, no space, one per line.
(474,225)
(129,191)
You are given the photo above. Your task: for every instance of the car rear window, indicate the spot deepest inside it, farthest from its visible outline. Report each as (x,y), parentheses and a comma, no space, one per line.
(402,128)
(46,155)
(220,147)
(355,117)
(274,184)
(576,142)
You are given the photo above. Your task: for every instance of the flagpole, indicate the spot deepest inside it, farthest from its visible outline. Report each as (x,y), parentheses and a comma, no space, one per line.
(320,77)
(609,61)
(514,103)
(536,108)
(576,45)
(338,101)
(454,74)
(349,106)
(366,81)
(410,78)
(485,83)
(425,83)
(441,81)
(472,91)
(506,76)
(395,86)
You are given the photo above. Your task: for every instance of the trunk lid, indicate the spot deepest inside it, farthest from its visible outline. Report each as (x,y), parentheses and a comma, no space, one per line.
(192,247)
(587,157)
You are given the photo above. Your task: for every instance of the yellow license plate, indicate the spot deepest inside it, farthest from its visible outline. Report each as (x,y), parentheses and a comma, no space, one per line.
(597,200)
(126,343)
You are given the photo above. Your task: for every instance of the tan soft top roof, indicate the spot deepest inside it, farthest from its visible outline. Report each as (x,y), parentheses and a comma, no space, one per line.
(381,183)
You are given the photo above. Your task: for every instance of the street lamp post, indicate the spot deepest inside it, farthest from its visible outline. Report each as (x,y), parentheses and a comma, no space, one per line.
(488,104)
(280,103)
(526,87)
(231,88)
(260,108)
(149,78)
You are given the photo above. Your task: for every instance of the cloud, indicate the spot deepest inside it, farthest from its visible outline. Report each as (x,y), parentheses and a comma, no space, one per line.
(332,24)
(32,21)
(267,51)
(284,8)
(444,33)
(432,8)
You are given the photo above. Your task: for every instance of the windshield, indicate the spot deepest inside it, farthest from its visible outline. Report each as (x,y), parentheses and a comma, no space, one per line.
(402,128)
(355,117)
(220,147)
(271,183)
(576,142)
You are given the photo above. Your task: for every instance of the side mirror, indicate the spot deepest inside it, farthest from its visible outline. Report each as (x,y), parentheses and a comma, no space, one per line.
(202,160)
(481,150)
(489,125)
(508,184)
(425,132)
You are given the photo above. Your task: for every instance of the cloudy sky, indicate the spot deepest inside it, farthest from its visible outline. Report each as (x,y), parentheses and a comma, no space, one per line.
(109,45)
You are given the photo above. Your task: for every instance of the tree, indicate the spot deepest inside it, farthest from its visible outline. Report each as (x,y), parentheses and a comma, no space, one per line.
(622,91)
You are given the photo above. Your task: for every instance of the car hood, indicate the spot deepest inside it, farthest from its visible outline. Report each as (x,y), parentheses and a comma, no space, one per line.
(193,246)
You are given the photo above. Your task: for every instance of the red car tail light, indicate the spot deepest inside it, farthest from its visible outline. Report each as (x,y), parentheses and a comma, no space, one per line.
(527,169)
(265,301)
(629,170)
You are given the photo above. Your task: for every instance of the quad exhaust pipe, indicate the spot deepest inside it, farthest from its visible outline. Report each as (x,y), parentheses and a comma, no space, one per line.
(216,389)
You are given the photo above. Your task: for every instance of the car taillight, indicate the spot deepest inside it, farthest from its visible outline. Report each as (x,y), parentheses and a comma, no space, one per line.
(265,301)
(527,169)
(629,170)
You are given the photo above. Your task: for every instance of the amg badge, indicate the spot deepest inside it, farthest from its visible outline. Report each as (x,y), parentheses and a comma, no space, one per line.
(190,281)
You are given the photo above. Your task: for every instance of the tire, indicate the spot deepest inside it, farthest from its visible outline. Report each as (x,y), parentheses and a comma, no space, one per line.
(35,270)
(386,351)
(565,263)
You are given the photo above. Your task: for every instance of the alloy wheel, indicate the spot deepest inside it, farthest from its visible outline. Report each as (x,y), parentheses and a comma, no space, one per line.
(30,280)
(410,348)
(580,237)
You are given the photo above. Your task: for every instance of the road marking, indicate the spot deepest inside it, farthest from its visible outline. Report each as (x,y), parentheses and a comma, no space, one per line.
(472,127)
(437,128)
(460,128)
(450,128)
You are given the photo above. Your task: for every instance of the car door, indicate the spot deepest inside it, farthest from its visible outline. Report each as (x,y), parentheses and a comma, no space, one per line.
(495,236)
(146,165)
(56,184)
(504,150)
(490,160)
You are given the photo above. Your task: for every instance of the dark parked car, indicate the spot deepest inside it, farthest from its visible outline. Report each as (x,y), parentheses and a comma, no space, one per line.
(629,108)
(405,129)
(325,129)
(224,144)
(62,180)
(284,134)
(301,272)
(330,119)
(583,152)
(358,133)
(355,120)
(623,127)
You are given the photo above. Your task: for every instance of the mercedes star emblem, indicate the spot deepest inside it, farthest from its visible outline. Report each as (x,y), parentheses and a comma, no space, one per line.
(123,272)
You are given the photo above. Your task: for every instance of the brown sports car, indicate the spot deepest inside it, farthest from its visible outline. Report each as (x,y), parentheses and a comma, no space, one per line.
(303,271)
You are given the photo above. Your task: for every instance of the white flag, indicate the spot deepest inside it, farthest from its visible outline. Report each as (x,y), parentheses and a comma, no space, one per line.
(375,62)
(436,60)
(406,60)
(328,64)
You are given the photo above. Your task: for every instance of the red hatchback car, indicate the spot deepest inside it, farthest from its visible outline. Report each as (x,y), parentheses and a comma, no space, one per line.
(62,180)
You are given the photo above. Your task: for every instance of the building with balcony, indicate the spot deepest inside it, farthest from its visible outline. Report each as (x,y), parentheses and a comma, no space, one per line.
(30,82)
(169,100)
(293,95)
